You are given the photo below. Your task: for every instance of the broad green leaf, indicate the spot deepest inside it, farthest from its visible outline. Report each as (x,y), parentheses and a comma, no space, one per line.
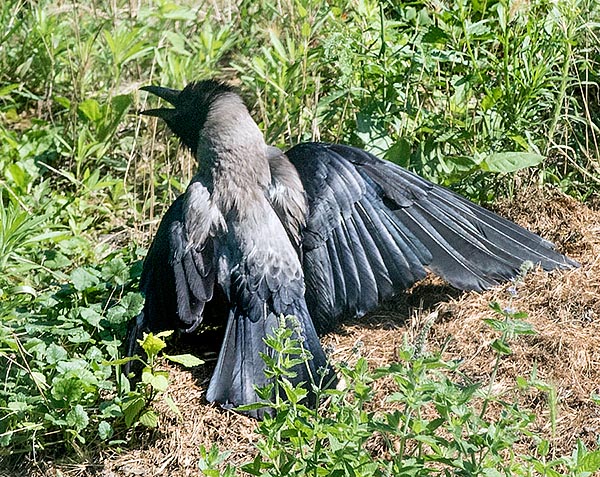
(132,408)
(187,360)
(149,419)
(39,378)
(506,162)
(105,430)
(117,314)
(133,303)
(79,336)
(589,462)
(90,108)
(115,271)
(84,278)
(77,418)
(158,380)
(91,316)
(110,409)
(66,389)
(55,353)
(18,406)
(152,344)
(435,35)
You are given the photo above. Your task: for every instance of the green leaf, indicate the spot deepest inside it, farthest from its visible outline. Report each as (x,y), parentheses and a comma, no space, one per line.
(132,408)
(306,29)
(277,45)
(255,467)
(399,152)
(55,353)
(77,418)
(133,303)
(589,462)
(5,90)
(498,325)
(543,448)
(117,314)
(149,419)
(116,271)
(152,344)
(79,336)
(17,174)
(68,389)
(501,346)
(110,410)
(187,360)
(520,327)
(90,109)
(158,381)
(120,103)
(18,406)
(493,473)
(435,35)
(91,316)
(105,430)
(84,278)
(510,161)
(39,378)
(64,102)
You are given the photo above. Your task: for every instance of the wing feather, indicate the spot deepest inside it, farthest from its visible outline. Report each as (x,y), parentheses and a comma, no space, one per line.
(379,226)
(178,279)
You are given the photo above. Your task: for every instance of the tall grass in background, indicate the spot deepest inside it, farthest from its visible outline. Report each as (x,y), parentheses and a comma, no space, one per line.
(462,92)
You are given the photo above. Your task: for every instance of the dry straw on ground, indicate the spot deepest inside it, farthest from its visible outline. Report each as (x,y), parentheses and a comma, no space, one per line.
(563,307)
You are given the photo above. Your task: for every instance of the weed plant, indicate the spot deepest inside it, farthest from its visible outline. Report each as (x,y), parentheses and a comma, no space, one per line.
(438,423)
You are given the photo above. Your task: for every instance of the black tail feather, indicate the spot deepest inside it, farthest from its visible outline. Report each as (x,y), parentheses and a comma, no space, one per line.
(240,368)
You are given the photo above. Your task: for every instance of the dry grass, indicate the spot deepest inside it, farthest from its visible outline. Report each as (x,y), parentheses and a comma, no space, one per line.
(564,308)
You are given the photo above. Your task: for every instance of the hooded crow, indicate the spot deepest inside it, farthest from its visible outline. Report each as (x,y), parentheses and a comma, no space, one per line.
(322,232)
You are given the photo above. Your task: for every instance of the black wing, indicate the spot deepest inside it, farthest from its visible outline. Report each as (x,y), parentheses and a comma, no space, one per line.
(177,280)
(373,227)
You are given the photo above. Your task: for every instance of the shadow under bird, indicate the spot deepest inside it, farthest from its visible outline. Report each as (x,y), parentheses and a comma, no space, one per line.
(322,232)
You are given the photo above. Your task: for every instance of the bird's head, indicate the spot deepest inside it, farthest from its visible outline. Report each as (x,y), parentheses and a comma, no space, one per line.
(191,107)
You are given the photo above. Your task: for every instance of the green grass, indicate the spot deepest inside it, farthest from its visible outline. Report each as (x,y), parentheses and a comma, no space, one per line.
(465,93)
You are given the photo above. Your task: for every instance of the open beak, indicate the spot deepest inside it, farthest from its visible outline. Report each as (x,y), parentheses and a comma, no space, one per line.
(168,94)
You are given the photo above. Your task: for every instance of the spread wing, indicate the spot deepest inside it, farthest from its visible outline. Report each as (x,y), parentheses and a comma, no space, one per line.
(373,228)
(178,278)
